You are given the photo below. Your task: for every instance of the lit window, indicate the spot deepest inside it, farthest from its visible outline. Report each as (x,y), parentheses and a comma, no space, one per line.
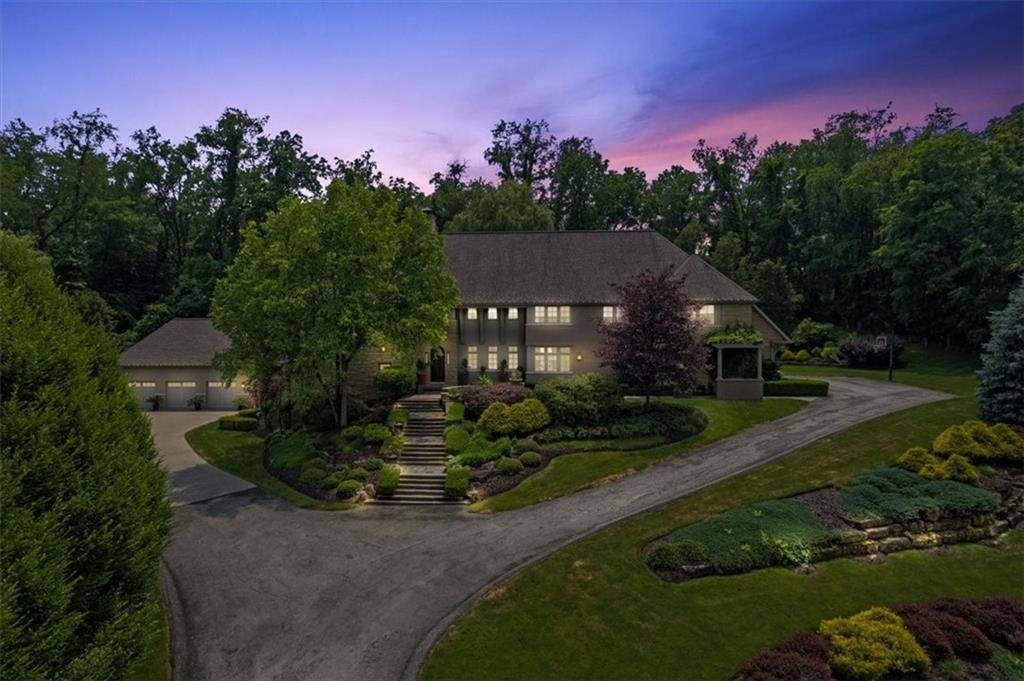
(548,360)
(381,366)
(472,357)
(552,314)
(492,313)
(513,313)
(706,315)
(513,357)
(471,313)
(181,384)
(214,384)
(492,356)
(611,313)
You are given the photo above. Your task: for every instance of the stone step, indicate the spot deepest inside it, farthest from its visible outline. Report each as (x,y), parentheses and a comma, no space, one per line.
(417,502)
(437,495)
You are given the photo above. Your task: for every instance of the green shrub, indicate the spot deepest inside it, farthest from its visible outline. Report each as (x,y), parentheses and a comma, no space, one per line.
(85,511)
(916,458)
(734,333)
(394,383)
(237,423)
(526,445)
(456,438)
(674,555)
(398,416)
(509,466)
(387,481)
(312,476)
(802,356)
(348,488)
(480,451)
(530,459)
(787,355)
(372,464)
(497,418)
(316,462)
(795,388)
(528,416)
(456,482)
(352,433)
(830,354)
(902,496)
(358,473)
(638,420)
(248,412)
(584,399)
(873,644)
(765,534)
(960,469)
(392,447)
(954,440)
(375,433)
(811,334)
(334,479)
(987,445)
(1011,443)
(291,451)
(455,412)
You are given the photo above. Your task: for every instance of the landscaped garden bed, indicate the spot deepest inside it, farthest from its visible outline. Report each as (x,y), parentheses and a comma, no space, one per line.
(882,511)
(503,433)
(941,639)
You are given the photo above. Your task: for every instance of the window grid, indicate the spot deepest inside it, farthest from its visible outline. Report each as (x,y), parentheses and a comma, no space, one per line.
(706,314)
(611,313)
(472,358)
(513,357)
(513,313)
(492,313)
(552,314)
(471,313)
(550,360)
(181,384)
(492,356)
(143,384)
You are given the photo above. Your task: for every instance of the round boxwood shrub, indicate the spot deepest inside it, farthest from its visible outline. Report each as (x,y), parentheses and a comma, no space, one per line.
(334,479)
(530,459)
(358,473)
(497,418)
(676,554)
(529,415)
(375,433)
(349,488)
(802,356)
(372,464)
(526,445)
(509,466)
(312,476)
(315,463)
(352,433)
(873,644)
(85,510)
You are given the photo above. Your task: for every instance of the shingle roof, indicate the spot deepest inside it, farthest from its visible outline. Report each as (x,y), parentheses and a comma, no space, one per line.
(181,342)
(525,268)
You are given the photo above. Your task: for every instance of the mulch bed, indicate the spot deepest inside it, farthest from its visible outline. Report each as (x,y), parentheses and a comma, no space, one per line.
(825,504)
(335,459)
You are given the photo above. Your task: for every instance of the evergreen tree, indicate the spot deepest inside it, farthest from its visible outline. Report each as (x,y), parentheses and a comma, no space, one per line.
(1001,389)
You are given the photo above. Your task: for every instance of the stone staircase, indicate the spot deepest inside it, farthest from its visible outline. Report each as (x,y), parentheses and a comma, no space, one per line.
(422,462)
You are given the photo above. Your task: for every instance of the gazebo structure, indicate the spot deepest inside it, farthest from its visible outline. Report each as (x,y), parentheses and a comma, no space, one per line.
(738,374)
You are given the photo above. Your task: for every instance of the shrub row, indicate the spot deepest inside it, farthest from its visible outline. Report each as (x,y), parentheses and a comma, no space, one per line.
(394,383)
(634,421)
(795,388)
(476,398)
(581,400)
(237,423)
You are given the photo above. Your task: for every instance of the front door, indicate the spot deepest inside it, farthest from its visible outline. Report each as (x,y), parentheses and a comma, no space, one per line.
(437,365)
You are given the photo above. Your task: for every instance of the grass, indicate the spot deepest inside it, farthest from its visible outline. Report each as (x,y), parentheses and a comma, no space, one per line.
(594,610)
(155,662)
(241,453)
(620,444)
(572,472)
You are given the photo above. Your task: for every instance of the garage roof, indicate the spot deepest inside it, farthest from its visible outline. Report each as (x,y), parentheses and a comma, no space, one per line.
(181,342)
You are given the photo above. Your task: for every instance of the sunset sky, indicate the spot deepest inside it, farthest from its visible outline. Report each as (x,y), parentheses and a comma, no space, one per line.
(423,83)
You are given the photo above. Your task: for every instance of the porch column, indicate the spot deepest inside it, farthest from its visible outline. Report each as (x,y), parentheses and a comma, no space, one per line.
(759,363)
(719,351)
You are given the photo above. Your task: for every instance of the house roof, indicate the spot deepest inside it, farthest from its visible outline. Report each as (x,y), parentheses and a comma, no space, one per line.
(525,268)
(181,342)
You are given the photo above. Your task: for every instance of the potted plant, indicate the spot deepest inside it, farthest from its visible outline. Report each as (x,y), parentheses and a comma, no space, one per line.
(197,401)
(519,375)
(483,378)
(155,401)
(421,371)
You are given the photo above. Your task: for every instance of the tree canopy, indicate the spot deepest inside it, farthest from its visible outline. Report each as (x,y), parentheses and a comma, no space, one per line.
(85,506)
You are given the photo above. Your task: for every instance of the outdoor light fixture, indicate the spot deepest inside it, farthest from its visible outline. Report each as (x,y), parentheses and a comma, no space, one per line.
(579,356)
(383,348)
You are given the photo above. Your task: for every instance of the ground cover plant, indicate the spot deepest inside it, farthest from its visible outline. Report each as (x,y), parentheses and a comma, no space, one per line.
(578,611)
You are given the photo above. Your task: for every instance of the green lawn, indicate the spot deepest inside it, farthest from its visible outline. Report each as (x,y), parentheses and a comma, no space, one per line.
(572,472)
(155,662)
(240,453)
(593,610)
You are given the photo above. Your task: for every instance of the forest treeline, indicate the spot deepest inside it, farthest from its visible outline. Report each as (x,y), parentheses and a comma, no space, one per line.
(866,223)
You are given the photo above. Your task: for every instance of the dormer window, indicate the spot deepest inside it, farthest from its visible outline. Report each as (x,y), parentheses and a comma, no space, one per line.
(471,313)
(513,313)
(492,313)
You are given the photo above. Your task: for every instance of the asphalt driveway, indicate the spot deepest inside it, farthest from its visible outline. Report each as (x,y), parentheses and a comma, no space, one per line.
(259,589)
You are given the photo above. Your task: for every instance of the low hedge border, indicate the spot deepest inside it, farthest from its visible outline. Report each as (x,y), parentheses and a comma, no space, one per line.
(792,387)
(237,423)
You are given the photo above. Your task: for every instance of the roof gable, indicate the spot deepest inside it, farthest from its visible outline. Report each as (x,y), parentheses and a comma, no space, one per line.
(526,268)
(181,342)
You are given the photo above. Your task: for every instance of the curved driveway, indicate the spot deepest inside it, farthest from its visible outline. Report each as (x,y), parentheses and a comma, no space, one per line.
(259,589)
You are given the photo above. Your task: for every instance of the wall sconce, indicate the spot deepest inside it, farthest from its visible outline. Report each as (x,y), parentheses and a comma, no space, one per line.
(383,348)
(579,356)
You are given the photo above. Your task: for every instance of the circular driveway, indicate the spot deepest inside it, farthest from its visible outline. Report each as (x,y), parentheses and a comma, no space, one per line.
(259,589)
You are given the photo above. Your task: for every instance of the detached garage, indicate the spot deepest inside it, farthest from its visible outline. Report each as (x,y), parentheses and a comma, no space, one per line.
(176,362)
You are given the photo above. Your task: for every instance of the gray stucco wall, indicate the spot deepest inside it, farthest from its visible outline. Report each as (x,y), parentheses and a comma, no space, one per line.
(201,376)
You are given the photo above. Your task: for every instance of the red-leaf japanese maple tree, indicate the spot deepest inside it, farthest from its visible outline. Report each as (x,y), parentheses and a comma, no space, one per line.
(656,340)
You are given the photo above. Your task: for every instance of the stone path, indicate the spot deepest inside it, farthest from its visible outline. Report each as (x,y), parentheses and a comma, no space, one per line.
(259,589)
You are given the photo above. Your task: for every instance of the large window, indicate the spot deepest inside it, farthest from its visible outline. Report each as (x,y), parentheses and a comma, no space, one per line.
(471,313)
(611,313)
(472,358)
(706,315)
(513,357)
(551,314)
(492,313)
(492,357)
(513,313)
(549,360)
(181,384)
(143,384)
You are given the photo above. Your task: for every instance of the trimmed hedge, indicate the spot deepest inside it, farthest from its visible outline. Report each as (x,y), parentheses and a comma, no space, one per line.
(387,481)
(795,388)
(248,412)
(394,383)
(456,482)
(530,459)
(456,438)
(237,423)
(455,412)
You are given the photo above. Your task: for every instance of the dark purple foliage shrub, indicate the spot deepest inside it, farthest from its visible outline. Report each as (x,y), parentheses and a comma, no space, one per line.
(959,619)
(806,643)
(477,397)
(864,353)
(774,665)
(1004,620)
(926,630)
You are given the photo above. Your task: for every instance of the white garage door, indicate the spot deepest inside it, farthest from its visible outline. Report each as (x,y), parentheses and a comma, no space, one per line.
(179,393)
(143,391)
(219,395)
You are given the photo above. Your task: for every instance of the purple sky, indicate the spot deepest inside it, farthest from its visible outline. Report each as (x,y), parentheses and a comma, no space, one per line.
(423,84)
